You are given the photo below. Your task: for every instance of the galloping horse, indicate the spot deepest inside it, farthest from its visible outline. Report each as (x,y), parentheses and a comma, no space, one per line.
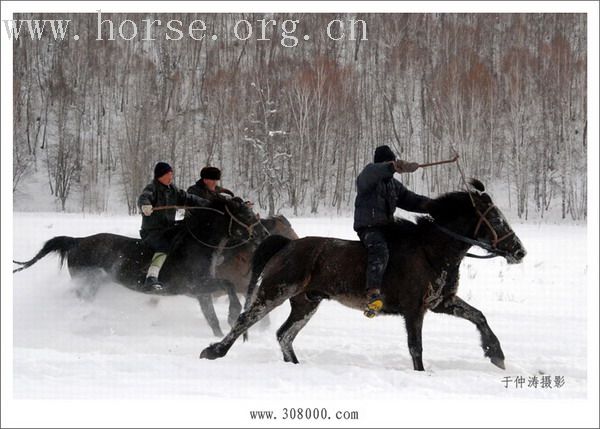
(422,273)
(192,265)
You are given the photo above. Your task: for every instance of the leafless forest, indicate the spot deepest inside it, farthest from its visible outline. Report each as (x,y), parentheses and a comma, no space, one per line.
(292,127)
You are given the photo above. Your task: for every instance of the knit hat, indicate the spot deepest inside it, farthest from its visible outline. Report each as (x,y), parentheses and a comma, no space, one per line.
(161,169)
(383,154)
(211,173)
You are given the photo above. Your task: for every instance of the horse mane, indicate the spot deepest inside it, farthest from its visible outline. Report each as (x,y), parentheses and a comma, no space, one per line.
(444,208)
(450,206)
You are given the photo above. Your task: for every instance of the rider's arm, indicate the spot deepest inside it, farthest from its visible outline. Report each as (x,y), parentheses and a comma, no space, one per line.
(147,196)
(408,200)
(225,191)
(187,199)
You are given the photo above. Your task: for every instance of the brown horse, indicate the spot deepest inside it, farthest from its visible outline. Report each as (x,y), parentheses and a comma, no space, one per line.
(422,273)
(236,264)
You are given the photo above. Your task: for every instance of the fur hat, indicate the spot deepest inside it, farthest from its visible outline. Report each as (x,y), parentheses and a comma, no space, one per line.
(383,154)
(161,169)
(211,173)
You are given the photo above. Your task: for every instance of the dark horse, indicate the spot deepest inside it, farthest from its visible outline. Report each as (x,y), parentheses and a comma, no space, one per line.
(422,273)
(192,266)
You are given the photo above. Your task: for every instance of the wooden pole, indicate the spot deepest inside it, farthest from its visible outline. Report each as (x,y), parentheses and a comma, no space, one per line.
(447,161)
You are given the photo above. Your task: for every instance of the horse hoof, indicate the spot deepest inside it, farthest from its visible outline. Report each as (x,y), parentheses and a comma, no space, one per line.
(210,353)
(291,359)
(499,362)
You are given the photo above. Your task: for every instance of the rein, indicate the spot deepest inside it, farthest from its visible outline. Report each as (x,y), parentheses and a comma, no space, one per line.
(249,228)
(494,252)
(187,208)
(232,218)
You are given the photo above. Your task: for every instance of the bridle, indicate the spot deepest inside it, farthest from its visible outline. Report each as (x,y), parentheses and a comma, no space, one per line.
(491,247)
(249,228)
(484,221)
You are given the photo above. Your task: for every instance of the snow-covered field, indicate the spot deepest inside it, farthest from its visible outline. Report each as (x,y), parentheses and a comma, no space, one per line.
(128,345)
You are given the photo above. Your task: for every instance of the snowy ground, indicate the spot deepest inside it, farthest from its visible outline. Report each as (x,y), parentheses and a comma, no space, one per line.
(124,344)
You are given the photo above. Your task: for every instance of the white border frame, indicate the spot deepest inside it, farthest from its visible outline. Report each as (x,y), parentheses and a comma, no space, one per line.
(190,413)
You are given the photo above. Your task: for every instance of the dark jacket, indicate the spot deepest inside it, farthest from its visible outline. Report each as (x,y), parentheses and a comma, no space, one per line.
(159,195)
(378,195)
(200,189)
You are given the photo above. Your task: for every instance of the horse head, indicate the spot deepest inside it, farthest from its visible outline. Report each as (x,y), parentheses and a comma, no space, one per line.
(279,225)
(244,223)
(225,218)
(474,214)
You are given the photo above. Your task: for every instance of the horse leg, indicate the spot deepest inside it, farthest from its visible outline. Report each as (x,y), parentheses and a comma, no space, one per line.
(206,305)
(489,342)
(257,310)
(235,307)
(214,285)
(302,310)
(414,328)
(88,282)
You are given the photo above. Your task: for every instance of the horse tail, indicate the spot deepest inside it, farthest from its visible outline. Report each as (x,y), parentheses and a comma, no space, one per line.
(59,244)
(266,250)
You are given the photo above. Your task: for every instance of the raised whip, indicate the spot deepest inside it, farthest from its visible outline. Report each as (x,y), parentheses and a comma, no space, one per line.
(447,161)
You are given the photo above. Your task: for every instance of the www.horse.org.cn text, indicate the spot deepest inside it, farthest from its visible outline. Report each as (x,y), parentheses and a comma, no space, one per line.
(260,30)
(289,31)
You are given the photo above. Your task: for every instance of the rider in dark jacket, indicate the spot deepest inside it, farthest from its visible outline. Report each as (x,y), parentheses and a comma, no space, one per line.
(157,225)
(378,195)
(206,187)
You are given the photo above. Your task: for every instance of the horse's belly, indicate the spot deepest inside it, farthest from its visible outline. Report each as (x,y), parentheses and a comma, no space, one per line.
(351,301)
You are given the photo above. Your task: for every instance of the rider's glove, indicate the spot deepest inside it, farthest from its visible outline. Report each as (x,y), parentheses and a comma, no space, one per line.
(404,166)
(147,209)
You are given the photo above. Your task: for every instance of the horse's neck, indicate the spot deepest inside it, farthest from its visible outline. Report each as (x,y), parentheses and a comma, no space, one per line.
(444,249)
(197,233)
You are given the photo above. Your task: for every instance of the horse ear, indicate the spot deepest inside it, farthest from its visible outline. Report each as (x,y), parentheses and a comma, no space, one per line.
(477,185)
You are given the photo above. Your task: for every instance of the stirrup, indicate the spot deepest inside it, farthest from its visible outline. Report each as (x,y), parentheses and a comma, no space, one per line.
(374,304)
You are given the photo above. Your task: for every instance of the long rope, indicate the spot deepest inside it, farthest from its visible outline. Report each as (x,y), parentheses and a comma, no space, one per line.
(212,246)
(187,208)
(493,251)
(463,178)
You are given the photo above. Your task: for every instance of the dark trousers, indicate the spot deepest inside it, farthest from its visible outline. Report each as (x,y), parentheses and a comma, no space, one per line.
(377,255)
(159,240)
